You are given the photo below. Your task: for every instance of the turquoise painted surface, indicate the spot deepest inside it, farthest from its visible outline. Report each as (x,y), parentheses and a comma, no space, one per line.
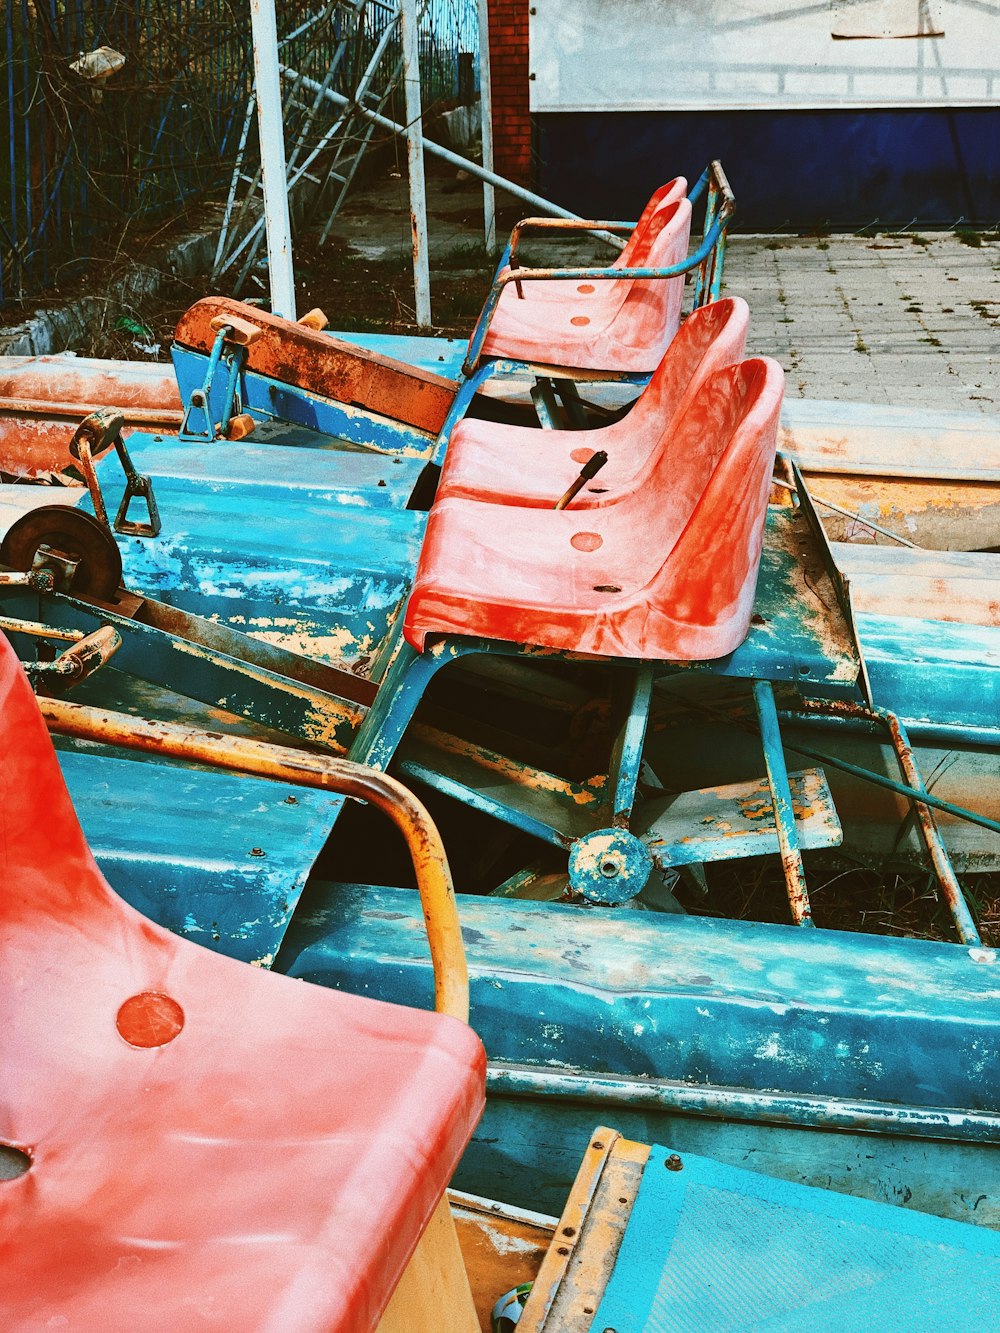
(284,565)
(713,1004)
(216,857)
(709,1246)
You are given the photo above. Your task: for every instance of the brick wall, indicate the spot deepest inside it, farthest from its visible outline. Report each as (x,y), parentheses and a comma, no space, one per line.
(509,75)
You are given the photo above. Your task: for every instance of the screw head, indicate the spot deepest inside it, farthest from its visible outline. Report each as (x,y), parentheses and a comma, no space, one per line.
(674,1163)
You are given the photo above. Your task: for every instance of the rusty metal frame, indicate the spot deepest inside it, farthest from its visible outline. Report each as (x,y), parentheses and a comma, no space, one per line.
(556,1262)
(280,763)
(914,790)
(98,432)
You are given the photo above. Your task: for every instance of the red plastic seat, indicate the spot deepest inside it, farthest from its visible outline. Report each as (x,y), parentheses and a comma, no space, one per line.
(212,1146)
(517,465)
(634,254)
(627,330)
(668,573)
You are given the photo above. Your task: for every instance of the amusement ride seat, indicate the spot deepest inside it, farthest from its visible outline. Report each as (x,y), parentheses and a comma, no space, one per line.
(520,465)
(634,254)
(208,1146)
(667,573)
(626,331)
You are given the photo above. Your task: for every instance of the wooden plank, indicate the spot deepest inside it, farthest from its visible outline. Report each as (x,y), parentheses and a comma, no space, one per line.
(502,1247)
(582,1257)
(433,1294)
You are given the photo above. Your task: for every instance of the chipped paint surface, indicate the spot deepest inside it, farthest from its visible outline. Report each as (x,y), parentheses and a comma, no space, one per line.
(188,865)
(744,1034)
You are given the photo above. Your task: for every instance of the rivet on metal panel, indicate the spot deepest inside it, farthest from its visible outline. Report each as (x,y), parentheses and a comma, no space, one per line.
(674,1163)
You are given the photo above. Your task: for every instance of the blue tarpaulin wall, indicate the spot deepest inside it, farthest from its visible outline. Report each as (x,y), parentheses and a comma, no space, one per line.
(791,169)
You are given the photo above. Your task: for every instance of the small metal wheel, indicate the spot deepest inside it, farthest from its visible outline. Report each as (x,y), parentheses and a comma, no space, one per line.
(71,535)
(609,866)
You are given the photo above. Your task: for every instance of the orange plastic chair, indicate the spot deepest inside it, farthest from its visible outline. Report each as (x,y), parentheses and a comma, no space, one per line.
(211,1146)
(668,573)
(634,254)
(518,465)
(626,331)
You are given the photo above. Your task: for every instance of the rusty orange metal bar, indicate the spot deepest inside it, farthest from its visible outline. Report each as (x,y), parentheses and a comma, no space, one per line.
(325,773)
(297,354)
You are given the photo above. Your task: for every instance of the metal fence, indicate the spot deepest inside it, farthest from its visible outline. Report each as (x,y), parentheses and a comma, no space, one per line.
(93,156)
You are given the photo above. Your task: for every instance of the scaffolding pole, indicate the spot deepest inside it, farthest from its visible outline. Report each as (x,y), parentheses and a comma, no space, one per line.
(486,113)
(415,161)
(272,156)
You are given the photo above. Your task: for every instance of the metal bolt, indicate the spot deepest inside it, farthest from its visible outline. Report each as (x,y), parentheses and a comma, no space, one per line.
(569,1231)
(257,851)
(597,1144)
(674,1163)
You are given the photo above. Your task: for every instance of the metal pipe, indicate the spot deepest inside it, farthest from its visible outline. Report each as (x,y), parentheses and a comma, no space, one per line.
(415,161)
(946,877)
(436,149)
(847,513)
(930,733)
(486,118)
(738,1104)
(86,460)
(784,809)
(12,625)
(325,773)
(40,407)
(803,714)
(272,157)
(82,658)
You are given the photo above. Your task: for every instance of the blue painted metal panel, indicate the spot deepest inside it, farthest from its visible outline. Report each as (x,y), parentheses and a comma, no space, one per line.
(264,476)
(527,1150)
(932,670)
(722,1003)
(440,356)
(265,398)
(324,583)
(214,856)
(709,1246)
(678,1013)
(790,170)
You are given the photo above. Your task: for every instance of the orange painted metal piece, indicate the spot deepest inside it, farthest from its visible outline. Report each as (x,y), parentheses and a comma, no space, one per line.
(668,573)
(210,1145)
(300,355)
(44,398)
(517,465)
(626,329)
(634,254)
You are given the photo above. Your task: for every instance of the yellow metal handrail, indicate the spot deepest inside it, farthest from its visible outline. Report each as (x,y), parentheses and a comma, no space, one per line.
(325,773)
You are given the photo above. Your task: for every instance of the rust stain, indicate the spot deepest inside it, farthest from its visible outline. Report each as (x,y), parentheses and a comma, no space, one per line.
(311,360)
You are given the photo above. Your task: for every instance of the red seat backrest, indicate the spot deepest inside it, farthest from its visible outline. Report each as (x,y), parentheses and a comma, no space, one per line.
(711,337)
(636,248)
(211,1145)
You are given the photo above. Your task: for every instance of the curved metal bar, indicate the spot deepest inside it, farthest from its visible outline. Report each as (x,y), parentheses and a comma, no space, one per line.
(518,275)
(325,773)
(82,658)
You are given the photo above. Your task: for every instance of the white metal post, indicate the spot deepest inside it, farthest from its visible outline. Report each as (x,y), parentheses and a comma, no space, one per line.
(486,113)
(272,157)
(415,160)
